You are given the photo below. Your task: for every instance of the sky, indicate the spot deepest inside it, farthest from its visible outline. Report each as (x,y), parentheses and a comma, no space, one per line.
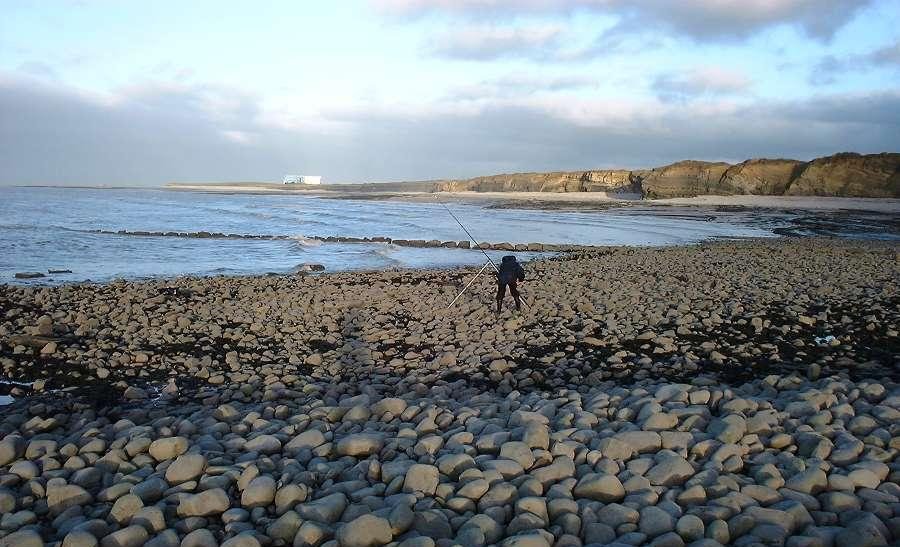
(120,92)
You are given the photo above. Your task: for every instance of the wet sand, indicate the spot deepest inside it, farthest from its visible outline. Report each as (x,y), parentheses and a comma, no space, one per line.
(546,200)
(731,392)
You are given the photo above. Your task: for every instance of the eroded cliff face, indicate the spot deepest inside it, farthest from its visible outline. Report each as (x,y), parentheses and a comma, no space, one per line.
(760,177)
(683,179)
(844,175)
(873,175)
(562,181)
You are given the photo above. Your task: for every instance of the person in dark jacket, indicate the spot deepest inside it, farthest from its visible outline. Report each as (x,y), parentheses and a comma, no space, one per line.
(510,273)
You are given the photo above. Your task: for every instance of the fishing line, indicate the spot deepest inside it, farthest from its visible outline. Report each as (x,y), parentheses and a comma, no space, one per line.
(478,245)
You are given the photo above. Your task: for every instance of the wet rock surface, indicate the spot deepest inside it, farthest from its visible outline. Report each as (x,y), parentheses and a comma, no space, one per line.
(729,393)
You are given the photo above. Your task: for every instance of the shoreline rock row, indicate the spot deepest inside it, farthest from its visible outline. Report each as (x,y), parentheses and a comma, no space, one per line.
(420,243)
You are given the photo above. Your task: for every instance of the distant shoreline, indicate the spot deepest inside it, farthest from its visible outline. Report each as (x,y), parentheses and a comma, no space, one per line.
(547,200)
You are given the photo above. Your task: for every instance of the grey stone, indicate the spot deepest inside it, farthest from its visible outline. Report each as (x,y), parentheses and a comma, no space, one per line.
(640,441)
(264,444)
(124,508)
(241,540)
(654,521)
(365,531)
(327,509)
(600,487)
(199,538)
(259,493)
(672,470)
(208,503)
(812,481)
(168,448)
(186,467)
(11,449)
(421,478)
(132,536)
(285,527)
(63,496)
(22,538)
(615,515)
(690,528)
(311,438)
(360,444)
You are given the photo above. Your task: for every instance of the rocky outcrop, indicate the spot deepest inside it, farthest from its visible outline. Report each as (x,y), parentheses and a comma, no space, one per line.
(684,179)
(871,176)
(760,177)
(610,180)
(617,180)
(844,175)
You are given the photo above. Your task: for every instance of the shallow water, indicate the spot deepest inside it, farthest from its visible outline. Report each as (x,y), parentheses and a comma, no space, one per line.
(50,228)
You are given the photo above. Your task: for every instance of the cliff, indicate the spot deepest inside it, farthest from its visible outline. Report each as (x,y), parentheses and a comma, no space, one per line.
(562,181)
(873,175)
(760,177)
(844,175)
(683,179)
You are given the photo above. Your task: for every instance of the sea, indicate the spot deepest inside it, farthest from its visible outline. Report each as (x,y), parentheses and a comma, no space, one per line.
(73,229)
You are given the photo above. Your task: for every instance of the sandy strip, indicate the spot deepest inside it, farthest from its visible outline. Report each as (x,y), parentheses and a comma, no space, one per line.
(578,199)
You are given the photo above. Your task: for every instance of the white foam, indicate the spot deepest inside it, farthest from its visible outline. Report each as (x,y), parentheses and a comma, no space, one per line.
(306,241)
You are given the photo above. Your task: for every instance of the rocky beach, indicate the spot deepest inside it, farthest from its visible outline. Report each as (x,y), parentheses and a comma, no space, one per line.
(731,392)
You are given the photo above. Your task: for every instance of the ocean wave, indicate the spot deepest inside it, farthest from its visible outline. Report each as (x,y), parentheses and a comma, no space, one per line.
(387,251)
(305,241)
(383,251)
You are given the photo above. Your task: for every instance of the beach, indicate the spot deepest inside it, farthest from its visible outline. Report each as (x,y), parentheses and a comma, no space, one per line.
(434,273)
(720,392)
(418,192)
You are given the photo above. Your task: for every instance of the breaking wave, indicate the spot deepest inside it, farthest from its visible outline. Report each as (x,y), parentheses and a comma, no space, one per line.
(304,241)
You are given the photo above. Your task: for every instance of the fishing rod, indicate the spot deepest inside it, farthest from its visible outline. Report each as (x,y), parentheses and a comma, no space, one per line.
(480,248)
(478,245)
(469,284)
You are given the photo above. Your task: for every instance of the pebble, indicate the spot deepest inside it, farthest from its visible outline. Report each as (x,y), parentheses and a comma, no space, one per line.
(168,448)
(365,531)
(421,478)
(131,536)
(259,493)
(600,487)
(360,444)
(207,503)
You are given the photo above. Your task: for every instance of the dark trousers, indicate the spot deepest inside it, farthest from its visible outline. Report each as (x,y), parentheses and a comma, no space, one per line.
(501,292)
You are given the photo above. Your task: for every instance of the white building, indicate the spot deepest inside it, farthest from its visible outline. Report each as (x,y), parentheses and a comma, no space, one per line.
(302,179)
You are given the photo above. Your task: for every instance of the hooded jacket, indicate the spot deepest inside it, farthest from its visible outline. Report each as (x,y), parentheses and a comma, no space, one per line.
(510,270)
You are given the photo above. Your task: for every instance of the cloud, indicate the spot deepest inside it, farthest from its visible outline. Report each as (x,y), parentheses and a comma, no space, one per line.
(725,20)
(152,134)
(146,134)
(830,68)
(240,137)
(521,84)
(484,42)
(702,20)
(39,70)
(700,82)
(888,55)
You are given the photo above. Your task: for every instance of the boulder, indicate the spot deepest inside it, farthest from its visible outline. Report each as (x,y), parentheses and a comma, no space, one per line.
(204,504)
(360,444)
(365,531)
(600,487)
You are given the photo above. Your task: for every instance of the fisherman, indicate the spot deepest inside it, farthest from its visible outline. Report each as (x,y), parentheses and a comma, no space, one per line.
(509,273)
